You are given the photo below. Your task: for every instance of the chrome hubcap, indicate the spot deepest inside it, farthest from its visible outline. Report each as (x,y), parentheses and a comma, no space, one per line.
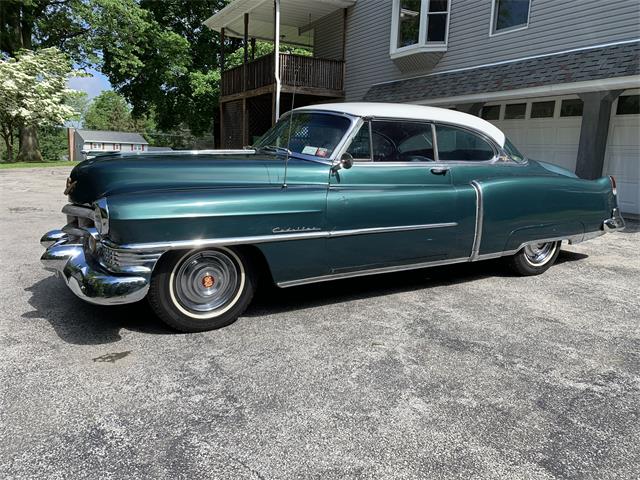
(539,253)
(206,281)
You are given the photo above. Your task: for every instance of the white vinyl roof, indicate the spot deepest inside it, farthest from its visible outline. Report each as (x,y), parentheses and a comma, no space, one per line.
(418,112)
(296,18)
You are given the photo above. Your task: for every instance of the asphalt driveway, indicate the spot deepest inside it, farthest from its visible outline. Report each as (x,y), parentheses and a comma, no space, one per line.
(458,372)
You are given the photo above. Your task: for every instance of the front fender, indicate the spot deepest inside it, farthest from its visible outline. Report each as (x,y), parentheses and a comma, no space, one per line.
(207,213)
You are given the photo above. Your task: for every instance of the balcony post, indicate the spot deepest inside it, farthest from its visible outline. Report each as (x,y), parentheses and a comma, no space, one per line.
(221,51)
(276,60)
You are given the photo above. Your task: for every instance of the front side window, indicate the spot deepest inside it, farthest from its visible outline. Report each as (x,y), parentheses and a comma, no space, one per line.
(308,133)
(510,15)
(402,141)
(360,147)
(419,23)
(456,144)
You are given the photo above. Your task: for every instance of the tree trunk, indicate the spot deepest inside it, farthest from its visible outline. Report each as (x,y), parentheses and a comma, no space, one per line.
(8,142)
(29,150)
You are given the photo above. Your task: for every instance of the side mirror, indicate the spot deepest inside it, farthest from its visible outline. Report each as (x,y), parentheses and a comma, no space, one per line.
(346,162)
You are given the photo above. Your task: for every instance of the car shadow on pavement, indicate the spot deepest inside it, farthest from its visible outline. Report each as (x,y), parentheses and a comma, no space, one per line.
(273,300)
(80,323)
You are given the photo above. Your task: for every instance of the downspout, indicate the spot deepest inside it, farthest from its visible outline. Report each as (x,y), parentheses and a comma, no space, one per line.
(276,62)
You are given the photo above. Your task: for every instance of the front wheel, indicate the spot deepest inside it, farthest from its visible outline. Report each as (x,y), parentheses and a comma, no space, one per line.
(535,258)
(201,289)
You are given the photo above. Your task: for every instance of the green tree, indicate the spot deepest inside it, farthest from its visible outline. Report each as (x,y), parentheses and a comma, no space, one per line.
(79,101)
(33,92)
(108,111)
(263,48)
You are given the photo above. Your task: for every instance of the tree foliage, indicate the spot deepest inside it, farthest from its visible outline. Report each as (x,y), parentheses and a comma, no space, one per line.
(262,48)
(33,91)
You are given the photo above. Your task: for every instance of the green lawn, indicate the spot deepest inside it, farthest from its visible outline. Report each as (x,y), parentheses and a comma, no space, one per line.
(4,165)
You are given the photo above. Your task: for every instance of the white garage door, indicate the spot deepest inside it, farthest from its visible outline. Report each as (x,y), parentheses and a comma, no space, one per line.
(546,129)
(622,159)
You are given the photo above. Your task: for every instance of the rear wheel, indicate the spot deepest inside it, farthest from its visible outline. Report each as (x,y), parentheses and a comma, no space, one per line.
(201,289)
(535,258)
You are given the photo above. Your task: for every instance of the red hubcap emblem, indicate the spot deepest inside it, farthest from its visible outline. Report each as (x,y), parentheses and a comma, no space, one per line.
(208,281)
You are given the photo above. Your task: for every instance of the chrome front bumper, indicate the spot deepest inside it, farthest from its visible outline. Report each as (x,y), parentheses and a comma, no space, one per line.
(615,223)
(87,278)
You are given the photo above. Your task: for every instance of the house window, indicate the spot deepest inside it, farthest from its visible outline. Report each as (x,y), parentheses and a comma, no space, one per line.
(628,105)
(116,146)
(96,146)
(571,108)
(515,111)
(491,112)
(137,148)
(543,109)
(419,24)
(510,15)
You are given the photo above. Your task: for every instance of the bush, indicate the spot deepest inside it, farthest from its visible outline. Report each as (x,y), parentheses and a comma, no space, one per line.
(53,144)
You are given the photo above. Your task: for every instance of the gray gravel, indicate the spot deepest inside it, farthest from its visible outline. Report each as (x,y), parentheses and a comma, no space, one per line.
(453,372)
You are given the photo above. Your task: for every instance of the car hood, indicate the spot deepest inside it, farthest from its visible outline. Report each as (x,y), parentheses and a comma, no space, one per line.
(114,174)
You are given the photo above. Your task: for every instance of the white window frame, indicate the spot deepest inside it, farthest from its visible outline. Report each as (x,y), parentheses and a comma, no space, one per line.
(492,25)
(422,46)
(137,147)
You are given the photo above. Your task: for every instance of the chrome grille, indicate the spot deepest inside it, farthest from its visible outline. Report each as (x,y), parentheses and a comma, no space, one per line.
(79,220)
(118,260)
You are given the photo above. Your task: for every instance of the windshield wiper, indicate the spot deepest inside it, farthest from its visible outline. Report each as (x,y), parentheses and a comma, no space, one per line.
(274,149)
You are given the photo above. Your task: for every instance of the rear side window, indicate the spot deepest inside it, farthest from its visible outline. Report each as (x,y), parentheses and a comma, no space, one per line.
(458,144)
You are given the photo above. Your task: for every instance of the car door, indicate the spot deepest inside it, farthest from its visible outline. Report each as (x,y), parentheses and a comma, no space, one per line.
(395,205)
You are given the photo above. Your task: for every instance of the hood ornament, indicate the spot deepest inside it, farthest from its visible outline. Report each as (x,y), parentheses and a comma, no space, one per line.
(71,185)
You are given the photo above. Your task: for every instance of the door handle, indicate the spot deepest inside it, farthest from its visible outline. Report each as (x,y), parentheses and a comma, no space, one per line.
(439,171)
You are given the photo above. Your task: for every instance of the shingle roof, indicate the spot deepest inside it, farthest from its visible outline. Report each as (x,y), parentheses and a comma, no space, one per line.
(579,66)
(111,137)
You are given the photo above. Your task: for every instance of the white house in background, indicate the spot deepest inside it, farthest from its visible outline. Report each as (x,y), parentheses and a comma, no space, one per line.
(97,141)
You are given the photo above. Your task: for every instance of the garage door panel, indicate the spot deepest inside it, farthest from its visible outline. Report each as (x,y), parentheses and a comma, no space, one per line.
(622,160)
(624,135)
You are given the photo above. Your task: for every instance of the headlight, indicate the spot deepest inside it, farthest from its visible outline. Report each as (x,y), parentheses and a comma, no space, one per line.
(101,216)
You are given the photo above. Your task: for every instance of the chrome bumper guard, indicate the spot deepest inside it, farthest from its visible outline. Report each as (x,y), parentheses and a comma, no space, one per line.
(86,277)
(615,223)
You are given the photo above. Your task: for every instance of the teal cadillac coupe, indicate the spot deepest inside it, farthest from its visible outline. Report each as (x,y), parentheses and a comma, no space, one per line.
(331,191)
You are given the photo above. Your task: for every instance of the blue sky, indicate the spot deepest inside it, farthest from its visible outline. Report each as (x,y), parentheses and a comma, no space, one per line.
(92,85)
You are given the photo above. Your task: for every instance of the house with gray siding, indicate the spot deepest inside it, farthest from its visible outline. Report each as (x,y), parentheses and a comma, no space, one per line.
(560,78)
(90,142)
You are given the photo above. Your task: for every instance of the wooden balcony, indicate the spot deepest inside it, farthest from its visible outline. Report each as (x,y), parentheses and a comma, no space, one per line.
(309,75)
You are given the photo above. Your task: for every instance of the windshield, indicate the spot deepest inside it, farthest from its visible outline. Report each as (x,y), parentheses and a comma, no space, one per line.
(513,151)
(315,134)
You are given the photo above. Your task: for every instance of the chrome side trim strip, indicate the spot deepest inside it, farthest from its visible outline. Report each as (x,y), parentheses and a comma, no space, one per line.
(477,236)
(371,271)
(400,228)
(285,237)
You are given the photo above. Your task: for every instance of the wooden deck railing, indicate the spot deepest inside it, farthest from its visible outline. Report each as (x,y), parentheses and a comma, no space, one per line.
(304,72)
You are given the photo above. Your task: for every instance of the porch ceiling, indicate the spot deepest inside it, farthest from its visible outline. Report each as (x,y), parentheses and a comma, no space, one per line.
(295,18)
